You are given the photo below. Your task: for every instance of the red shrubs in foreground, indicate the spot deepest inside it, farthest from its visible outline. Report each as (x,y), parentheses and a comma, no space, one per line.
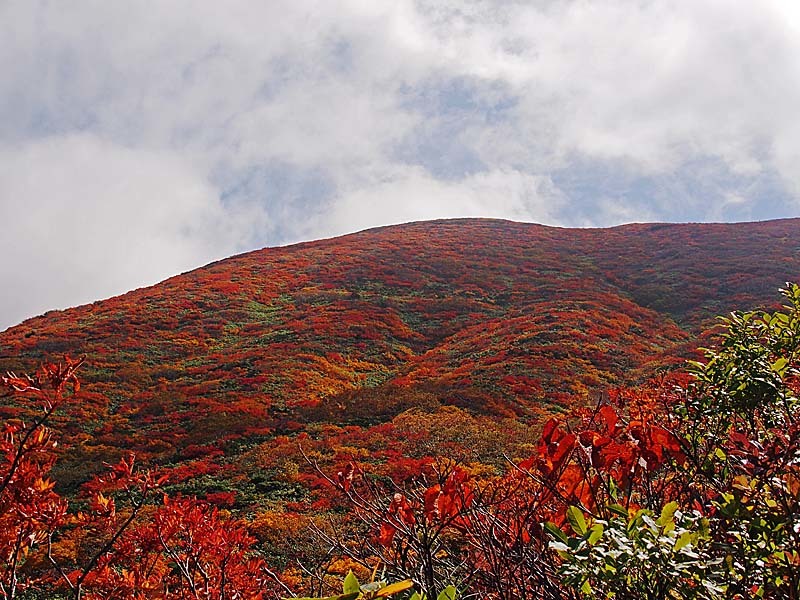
(121,545)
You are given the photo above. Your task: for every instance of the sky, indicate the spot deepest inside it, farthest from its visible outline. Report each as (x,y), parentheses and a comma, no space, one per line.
(140,139)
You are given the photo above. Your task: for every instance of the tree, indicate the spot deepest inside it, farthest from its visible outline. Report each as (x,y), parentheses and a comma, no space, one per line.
(741,424)
(30,511)
(127,546)
(729,524)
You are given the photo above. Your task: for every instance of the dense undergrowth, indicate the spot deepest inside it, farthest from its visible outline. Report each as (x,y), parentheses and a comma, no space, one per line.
(685,488)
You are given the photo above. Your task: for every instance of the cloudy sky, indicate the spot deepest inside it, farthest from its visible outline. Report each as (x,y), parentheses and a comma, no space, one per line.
(141,139)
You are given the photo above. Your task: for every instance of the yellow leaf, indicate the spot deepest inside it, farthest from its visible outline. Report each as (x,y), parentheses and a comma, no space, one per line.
(395,588)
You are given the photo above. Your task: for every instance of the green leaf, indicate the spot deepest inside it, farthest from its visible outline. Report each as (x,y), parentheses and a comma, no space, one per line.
(555,531)
(351,584)
(667,513)
(613,490)
(683,540)
(779,366)
(448,593)
(576,520)
(596,533)
(618,510)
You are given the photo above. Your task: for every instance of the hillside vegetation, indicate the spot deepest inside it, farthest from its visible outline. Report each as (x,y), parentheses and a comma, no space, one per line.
(435,350)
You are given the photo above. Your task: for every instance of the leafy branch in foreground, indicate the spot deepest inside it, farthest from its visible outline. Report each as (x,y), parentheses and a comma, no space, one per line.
(353,590)
(121,546)
(642,556)
(686,492)
(730,509)
(30,511)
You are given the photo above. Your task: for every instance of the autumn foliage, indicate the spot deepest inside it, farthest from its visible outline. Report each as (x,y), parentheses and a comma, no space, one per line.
(509,320)
(121,545)
(478,404)
(691,485)
(689,489)
(30,511)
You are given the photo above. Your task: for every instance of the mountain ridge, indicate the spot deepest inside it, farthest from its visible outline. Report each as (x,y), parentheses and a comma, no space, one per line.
(651,226)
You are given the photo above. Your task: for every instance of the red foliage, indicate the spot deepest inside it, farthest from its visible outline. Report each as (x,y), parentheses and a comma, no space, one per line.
(185,549)
(521,320)
(382,349)
(30,511)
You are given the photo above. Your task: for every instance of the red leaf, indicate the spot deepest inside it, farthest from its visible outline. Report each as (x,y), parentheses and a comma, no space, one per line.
(386,534)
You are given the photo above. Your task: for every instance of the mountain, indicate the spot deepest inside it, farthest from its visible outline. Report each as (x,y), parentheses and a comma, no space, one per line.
(477,323)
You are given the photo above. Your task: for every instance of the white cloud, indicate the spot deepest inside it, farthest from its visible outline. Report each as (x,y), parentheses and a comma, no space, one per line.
(410,194)
(84,219)
(324,83)
(330,116)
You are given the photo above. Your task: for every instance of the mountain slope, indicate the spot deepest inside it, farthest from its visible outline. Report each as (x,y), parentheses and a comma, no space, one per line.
(500,318)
